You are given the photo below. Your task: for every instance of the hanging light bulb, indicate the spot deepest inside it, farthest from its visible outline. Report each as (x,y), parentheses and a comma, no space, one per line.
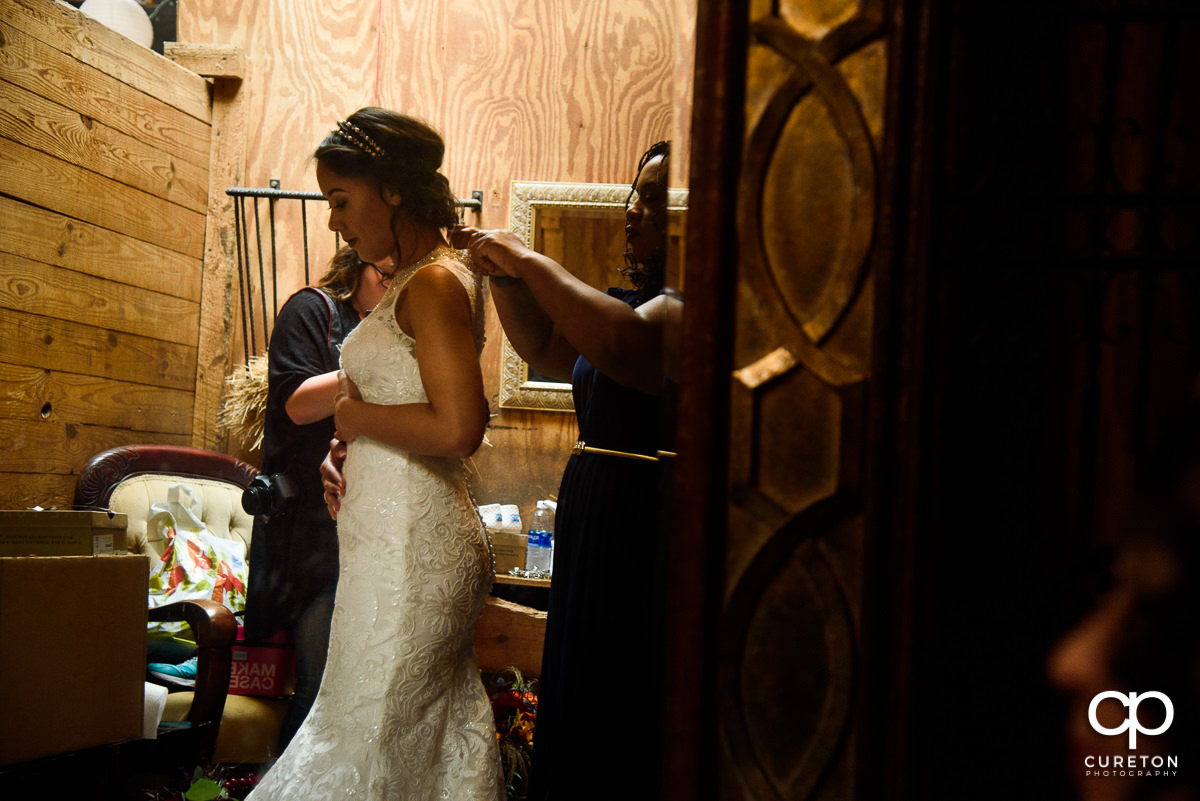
(126,17)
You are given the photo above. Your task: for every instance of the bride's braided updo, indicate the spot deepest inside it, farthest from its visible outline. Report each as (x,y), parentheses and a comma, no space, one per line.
(399,153)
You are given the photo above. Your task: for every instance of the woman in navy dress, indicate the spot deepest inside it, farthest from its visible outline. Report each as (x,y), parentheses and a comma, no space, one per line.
(601,686)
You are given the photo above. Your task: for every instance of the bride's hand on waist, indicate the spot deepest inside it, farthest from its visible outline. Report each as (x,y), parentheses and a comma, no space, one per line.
(331,476)
(347,395)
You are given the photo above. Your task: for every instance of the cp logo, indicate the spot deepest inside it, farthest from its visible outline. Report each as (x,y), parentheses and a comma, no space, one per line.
(1131,722)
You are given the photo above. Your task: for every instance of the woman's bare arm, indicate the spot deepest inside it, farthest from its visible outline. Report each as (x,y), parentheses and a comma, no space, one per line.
(623,343)
(313,399)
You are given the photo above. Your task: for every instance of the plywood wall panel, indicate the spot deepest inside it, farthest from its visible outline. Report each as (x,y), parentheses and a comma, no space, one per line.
(74,34)
(44,180)
(546,91)
(49,291)
(39,68)
(32,394)
(309,64)
(51,238)
(298,94)
(32,341)
(684,12)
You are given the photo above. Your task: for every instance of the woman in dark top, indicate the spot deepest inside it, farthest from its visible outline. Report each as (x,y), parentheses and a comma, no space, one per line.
(604,631)
(294,555)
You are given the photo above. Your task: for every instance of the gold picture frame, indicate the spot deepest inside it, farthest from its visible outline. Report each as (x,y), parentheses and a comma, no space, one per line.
(592,217)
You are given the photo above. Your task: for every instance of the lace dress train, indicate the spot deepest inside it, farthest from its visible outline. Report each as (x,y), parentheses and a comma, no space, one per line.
(402,713)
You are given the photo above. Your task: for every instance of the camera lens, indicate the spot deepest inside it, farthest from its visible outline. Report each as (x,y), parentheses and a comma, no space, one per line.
(256,498)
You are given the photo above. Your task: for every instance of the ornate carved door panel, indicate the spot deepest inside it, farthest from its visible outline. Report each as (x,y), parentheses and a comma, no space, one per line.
(957,322)
(802,329)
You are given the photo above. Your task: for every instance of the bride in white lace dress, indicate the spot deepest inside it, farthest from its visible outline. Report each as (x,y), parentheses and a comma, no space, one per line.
(402,713)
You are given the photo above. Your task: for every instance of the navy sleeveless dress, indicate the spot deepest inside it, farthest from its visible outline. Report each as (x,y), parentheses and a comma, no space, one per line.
(598,726)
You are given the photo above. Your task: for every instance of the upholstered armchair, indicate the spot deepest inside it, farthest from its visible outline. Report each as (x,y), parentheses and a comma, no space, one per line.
(129,479)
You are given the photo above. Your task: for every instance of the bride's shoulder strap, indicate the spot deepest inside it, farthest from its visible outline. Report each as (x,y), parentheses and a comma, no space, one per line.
(458,262)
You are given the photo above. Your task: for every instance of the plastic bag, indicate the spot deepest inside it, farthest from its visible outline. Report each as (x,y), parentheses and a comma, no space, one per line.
(196,564)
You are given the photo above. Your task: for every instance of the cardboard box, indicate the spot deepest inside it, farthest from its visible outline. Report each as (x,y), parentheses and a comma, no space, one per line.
(53,532)
(266,668)
(508,548)
(73,640)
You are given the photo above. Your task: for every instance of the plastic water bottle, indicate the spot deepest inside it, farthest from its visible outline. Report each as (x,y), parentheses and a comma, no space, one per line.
(537,552)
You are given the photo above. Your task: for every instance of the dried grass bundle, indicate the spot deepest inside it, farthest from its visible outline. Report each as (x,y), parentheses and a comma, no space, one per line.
(244,407)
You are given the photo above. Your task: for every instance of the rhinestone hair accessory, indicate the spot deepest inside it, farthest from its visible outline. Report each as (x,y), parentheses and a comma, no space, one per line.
(359,138)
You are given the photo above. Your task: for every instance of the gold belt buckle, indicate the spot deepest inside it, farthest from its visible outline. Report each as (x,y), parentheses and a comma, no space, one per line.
(583,447)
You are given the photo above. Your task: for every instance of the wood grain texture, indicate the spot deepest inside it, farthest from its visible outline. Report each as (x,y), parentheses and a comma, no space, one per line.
(61,448)
(79,140)
(217,323)
(510,635)
(309,65)
(32,394)
(554,90)
(526,457)
(548,91)
(33,341)
(31,286)
(41,69)
(104,184)
(26,490)
(81,37)
(44,180)
(210,61)
(684,83)
(51,238)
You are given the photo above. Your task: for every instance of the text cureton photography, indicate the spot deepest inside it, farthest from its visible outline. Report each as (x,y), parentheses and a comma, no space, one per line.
(1130,765)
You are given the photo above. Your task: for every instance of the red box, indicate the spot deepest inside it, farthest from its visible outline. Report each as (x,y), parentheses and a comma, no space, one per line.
(266,668)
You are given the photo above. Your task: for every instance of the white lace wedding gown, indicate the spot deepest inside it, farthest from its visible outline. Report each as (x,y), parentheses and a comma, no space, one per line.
(402,713)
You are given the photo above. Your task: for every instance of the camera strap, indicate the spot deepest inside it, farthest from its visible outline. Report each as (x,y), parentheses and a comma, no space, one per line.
(334,332)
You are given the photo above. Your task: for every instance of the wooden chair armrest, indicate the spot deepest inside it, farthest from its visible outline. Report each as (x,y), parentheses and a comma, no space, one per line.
(215,630)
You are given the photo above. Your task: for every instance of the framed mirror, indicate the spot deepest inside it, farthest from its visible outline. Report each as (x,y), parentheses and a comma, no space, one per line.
(582,227)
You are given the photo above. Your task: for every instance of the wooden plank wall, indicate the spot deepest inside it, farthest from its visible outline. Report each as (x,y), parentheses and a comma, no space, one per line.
(104,160)
(529,90)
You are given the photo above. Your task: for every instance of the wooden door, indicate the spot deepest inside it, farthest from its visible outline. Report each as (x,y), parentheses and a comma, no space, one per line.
(781,317)
(942,263)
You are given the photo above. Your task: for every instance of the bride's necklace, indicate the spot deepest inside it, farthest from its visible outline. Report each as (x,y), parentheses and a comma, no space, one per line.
(402,275)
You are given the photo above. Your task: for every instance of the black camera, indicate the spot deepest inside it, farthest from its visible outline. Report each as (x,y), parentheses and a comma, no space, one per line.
(269,495)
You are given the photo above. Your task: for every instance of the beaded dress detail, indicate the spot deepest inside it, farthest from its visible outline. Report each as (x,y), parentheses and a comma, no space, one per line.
(402,713)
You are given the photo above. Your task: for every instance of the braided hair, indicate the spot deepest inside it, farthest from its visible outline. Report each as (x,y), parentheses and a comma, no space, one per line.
(647,277)
(398,153)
